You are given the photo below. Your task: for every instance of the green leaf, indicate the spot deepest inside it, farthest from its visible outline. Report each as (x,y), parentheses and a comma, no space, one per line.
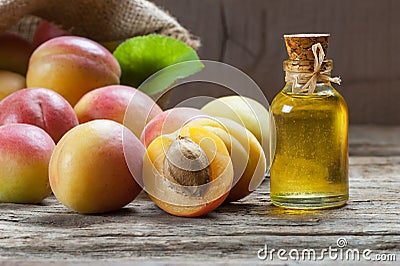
(141,57)
(163,79)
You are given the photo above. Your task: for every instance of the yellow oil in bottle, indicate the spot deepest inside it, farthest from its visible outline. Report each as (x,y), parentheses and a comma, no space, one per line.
(310,167)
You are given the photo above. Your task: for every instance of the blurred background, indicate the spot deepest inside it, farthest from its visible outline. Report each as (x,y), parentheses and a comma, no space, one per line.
(364,45)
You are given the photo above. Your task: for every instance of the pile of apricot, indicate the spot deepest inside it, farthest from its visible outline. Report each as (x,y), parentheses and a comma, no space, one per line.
(68,127)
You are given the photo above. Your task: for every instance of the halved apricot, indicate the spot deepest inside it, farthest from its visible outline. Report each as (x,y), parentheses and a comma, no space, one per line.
(188,173)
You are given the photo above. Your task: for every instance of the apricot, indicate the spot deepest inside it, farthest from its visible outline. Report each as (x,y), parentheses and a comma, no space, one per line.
(72,66)
(40,107)
(10,82)
(247,155)
(25,152)
(168,122)
(47,31)
(112,102)
(14,53)
(245,111)
(88,171)
(188,173)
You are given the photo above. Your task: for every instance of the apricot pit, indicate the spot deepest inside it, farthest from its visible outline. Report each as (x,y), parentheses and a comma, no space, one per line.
(187,165)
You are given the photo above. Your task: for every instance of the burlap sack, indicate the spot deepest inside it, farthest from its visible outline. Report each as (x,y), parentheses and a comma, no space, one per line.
(100,20)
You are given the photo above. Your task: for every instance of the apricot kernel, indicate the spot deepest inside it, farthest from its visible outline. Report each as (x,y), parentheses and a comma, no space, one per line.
(187,165)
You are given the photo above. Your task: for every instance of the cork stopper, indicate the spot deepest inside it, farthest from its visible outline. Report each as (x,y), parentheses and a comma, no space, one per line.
(299,45)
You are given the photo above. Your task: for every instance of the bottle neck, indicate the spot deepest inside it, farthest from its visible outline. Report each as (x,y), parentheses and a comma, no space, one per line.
(306,66)
(321,89)
(305,75)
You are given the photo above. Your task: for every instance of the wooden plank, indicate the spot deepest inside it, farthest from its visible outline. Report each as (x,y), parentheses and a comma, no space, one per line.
(142,234)
(235,231)
(248,35)
(367,140)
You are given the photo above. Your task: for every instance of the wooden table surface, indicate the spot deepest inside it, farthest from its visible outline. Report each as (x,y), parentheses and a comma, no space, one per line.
(142,234)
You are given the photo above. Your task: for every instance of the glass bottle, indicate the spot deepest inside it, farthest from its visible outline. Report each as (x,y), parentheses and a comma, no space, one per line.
(310,166)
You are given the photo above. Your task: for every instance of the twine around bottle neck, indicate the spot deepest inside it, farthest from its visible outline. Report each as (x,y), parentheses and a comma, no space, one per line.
(303,73)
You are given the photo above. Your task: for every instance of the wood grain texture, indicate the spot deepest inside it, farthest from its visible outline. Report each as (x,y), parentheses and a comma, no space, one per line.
(364,43)
(374,141)
(142,234)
